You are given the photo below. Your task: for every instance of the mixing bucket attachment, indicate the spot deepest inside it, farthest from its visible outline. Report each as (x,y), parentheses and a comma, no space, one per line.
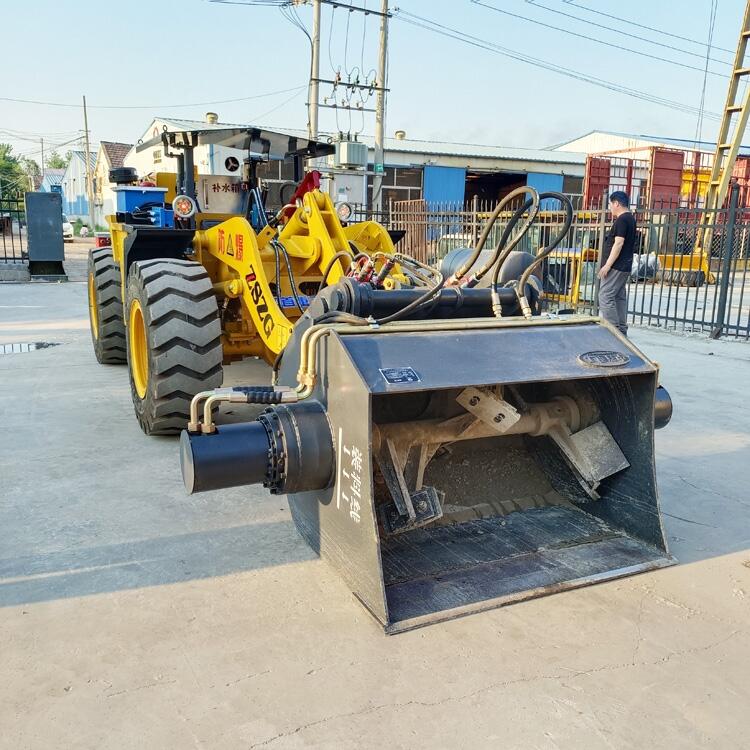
(510,467)
(443,472)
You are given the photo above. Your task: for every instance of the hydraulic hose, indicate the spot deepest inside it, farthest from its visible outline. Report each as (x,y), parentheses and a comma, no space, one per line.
(502,249)
(426,297)
(467,265)
(408,260)
(340,254)
(278,273)
(521,285)
(292,283)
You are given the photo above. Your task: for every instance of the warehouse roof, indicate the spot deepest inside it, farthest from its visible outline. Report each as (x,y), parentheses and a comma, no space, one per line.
(683,144)
(53,176)
(437,148)
(80,155)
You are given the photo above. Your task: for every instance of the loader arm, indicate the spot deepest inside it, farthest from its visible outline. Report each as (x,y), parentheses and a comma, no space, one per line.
(243,265)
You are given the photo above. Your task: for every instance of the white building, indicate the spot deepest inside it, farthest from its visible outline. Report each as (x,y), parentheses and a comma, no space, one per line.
(631,145)
(51,181)
(438,172)
(74,195)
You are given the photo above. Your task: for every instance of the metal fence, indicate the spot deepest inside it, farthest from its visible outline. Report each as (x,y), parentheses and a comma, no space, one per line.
(12,230)
(672,285)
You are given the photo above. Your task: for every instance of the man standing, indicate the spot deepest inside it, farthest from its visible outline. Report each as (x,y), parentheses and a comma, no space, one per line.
(617,260)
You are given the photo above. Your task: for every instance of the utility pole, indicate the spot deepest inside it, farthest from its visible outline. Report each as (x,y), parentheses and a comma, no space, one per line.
(377,180)
(312,125)
(89,178)
(41,141)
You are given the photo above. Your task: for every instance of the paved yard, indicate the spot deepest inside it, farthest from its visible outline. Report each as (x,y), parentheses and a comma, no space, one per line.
(134,616)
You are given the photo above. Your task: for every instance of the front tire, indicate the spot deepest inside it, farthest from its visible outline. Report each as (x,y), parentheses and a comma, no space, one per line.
(173,341)
(105,308)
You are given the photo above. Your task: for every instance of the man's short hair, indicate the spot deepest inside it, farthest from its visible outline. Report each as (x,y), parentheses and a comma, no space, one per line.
(621,197)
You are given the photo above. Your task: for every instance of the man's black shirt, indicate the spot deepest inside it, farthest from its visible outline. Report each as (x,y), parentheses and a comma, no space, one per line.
(623,226)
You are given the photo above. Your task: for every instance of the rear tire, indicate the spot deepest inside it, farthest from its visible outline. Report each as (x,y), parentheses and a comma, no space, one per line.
(692,278)
(105,308)
(173,341)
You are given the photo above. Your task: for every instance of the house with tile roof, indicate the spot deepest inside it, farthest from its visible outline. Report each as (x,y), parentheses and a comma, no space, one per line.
(110,155)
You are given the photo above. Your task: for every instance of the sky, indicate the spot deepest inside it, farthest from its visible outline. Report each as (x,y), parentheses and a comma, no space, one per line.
(144,57)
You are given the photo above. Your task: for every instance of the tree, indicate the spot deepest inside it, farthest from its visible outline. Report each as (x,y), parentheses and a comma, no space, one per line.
(55,161)
(13,181)
(31,168)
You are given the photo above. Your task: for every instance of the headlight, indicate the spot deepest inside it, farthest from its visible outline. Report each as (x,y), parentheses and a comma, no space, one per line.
(344,211)
(183,207)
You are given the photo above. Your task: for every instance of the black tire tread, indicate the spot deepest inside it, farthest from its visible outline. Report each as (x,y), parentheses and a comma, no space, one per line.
(110,345)
(184,337)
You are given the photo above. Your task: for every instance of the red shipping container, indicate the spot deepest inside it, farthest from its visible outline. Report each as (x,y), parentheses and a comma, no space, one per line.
(742,168)
(596,181)
(665,178)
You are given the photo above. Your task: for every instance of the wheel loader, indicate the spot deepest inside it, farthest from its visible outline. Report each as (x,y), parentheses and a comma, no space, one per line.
(446,444)
(182,291)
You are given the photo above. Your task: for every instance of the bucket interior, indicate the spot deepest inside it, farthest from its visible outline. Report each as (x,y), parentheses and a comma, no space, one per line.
(516,521)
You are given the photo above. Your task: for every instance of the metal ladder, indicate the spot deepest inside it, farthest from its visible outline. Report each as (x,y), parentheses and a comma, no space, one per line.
(726,148)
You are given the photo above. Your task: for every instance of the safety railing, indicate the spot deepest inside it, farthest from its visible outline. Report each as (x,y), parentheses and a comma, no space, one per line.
(12,230)
(672,285)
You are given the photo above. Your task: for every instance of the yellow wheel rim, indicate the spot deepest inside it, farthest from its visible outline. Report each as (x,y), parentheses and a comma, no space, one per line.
(138,348)
(93,314)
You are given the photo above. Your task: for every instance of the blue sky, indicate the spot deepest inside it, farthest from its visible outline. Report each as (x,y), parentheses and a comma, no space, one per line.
(160,53)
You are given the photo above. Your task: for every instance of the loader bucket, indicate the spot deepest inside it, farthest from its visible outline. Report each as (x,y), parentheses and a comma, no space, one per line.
(476,468)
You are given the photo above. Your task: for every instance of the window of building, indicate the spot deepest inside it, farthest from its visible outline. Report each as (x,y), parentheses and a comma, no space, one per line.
(157,156)
(399,184)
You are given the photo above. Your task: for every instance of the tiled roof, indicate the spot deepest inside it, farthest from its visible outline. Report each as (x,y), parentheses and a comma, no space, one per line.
(116,152)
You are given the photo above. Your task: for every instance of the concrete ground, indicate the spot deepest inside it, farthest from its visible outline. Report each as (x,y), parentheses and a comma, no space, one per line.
(134,616)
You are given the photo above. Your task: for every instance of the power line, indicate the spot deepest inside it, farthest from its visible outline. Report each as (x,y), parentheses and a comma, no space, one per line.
(632,23)
(292,16)
(30,133)
(712,21)
(150,106)
(622,32)
(256,118)
(597,41)
(26,139)
(461,36)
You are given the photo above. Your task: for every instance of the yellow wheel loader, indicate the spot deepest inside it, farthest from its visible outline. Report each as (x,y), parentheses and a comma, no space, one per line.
(445,445)
(183,291)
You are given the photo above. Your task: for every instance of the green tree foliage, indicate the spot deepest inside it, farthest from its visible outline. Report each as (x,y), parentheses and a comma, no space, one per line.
(31,167)
(55,161)
(13,180)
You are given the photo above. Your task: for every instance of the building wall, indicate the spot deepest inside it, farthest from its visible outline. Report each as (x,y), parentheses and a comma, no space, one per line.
(75,203)
(603,143)
(444,184)
(543,183)
(47,187)
(104,198)
(489,164)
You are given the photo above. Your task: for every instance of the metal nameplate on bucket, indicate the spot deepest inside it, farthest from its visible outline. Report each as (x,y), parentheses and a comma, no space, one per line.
(603,359)
(397,375)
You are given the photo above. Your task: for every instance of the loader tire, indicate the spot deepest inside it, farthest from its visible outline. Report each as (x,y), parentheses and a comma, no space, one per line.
(105,308)
(173,341)
(692,278)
